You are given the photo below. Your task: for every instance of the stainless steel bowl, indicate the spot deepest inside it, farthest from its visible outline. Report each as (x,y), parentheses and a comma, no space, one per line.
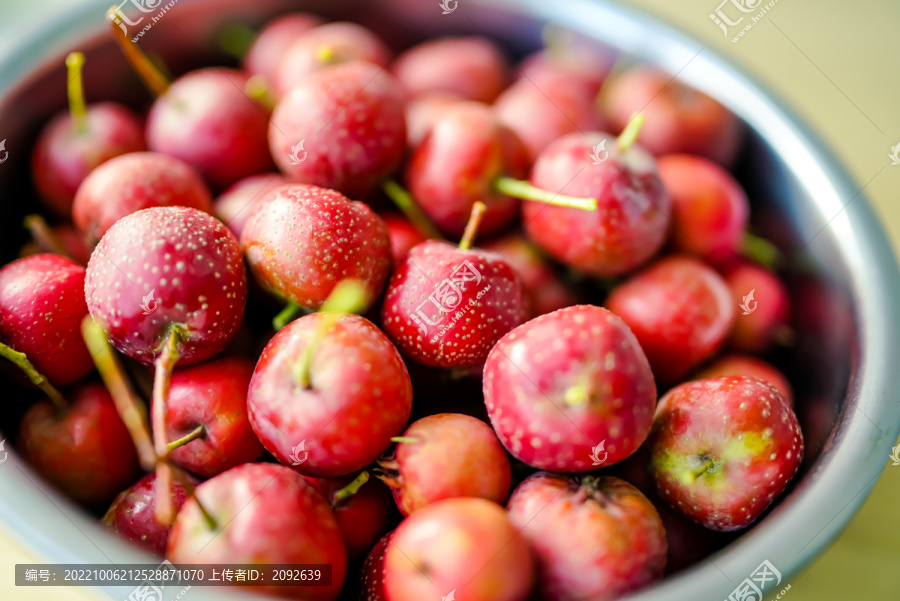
(841,269)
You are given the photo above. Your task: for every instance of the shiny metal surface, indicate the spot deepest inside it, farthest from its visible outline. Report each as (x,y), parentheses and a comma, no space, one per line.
(843,275)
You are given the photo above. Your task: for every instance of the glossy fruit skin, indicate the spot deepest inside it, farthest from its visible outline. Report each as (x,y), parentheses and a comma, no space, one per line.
(747,433)
(758,330)
(135,181)
(403,235)
(582,62)
(212,395)
(265,514)
(359,396)
(63,157)
(709,208)
(273,41)
(679,309)
(465,546)
(352,123)
(363,517)
(561,384)
(546,292)
(345,42)
(193,266)
(132,514)
(41,308)
(745,365)
(679,119)
(593,537)
(371,575)
(421,113)
(632,219)
(471,68)
(234,206)
(437,281)
(455,165)
(85,452)
(300,241)
(544,108)
(206,119)
(454,455)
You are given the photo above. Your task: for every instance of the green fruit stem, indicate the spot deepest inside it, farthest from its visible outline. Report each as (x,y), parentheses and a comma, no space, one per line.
(21,361)
(630,133)
(164,365)
(348,296)
(527,191)
(760,250)
(192,435)
(235,39)
(74,63)
(152,77)
(286,315)
(352,488)
(410,209)
(468,237)
(407,439)
(130,408)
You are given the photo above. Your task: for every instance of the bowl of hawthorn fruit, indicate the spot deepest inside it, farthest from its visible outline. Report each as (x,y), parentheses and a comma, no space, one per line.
(472,300)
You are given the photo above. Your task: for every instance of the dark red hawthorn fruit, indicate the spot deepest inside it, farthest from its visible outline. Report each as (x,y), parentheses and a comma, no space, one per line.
(403,235)
(234,206)
(342,128)
(444,456)
(709,208)
(332,412)
(206,119)
(458,548)
(84,450)
(371,575)
(680,119)
(763,307)
(745,365)
(471,68)
(593,537)
(679,309)
(273,41)
(41,308)
(131,514)
(64,240)
(135,181)
(301,240)
(447,306)
(73,143)
(570,390)
(326,46)
(261,514)
(164,267)
(723,449)
(579,60)
(457,163)
(209,402)
(421,113)
(363,507)
(632,218)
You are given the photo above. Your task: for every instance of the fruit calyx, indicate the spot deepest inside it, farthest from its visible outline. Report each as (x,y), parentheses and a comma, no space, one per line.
(702,463)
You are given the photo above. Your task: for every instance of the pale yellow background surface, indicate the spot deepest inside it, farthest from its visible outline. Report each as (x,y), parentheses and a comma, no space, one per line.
(836,63)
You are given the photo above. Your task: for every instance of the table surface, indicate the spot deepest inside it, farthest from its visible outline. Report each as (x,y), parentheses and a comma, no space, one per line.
(835,63)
